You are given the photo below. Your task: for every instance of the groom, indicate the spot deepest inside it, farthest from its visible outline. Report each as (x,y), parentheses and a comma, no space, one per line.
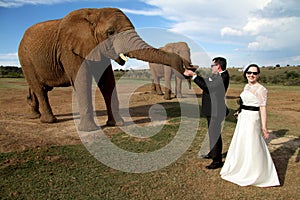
(213,106)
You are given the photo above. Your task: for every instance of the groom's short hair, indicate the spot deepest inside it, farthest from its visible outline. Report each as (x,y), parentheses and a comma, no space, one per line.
(221,61)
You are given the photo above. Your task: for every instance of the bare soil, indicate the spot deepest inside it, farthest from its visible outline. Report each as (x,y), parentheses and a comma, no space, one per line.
(18,131)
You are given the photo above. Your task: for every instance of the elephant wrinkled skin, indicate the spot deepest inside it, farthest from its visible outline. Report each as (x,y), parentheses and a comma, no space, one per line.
(55,52)
(159,70)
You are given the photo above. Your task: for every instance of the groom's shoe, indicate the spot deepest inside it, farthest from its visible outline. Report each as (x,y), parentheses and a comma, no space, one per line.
(215,165)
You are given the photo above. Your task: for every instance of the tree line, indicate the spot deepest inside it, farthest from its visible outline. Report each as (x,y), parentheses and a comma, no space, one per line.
(10,72)
(288,75)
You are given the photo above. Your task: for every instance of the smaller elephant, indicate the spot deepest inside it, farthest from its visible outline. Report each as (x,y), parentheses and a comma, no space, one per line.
(159,70)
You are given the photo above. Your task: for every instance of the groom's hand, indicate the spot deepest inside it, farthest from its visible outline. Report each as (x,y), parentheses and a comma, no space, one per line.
(188,72)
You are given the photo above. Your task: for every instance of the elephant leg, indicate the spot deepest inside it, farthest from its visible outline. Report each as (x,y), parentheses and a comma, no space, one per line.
(153,87)
(107,86)
(34,105)
(178,85)
(83,92)
(38,97)
(46,113)
(168,88)
(156,86)
(168,93)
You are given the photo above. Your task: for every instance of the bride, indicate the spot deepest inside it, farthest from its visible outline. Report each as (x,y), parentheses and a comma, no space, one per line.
(248,160)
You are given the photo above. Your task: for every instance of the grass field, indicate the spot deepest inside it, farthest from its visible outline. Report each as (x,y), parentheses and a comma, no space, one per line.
(48,161)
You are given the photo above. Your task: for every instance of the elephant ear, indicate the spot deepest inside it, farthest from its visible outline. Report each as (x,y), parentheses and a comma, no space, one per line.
(76,32)
(168,48)
(184,51)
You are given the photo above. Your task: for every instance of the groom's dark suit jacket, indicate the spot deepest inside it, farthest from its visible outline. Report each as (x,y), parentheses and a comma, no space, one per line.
(213,96)
(214,109)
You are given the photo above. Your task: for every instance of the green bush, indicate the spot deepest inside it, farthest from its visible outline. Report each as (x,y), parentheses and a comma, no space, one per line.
(271,75)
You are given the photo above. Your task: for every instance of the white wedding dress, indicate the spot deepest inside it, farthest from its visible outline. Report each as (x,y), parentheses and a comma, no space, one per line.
(248,160)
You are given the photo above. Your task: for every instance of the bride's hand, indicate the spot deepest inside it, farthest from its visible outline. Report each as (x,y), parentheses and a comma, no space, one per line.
(266,133)
(236,115)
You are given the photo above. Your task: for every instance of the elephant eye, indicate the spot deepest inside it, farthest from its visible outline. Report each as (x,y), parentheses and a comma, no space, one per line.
(110,32)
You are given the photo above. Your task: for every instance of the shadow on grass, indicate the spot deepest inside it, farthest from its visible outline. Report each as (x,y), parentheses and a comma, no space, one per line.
(283,154)
(173,110)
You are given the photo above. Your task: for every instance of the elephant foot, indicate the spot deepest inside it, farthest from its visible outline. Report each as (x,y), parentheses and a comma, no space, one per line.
(167,97)
(87,126)
(119,122)
(155,92)
(35,115)
(179,96)
(48,119)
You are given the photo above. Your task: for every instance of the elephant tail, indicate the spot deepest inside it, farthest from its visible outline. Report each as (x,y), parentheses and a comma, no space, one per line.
(30,97)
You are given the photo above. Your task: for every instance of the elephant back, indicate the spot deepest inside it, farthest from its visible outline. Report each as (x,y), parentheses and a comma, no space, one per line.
(37,43)
(180,48)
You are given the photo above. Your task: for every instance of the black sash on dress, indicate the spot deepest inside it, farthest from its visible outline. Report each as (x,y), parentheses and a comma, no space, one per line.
(253,108)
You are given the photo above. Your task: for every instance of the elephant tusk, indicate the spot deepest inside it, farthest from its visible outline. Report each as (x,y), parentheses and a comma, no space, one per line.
(123,57)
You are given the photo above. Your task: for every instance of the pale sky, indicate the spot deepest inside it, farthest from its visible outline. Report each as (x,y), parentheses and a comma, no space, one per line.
(265,32)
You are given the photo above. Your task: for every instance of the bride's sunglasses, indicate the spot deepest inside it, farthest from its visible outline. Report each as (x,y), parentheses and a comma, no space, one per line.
(249,72)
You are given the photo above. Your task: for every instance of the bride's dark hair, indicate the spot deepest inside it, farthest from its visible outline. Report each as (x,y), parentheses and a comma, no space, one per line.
(247,69)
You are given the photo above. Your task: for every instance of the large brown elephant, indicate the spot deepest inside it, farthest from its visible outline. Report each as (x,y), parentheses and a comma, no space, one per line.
(52,54)
(159,70)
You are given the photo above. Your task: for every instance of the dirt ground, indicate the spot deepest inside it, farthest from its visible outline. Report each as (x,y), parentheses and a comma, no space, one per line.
(18,132)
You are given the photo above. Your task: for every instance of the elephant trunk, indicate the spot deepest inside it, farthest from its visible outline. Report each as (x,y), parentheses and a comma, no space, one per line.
(189,82)
(132,45)
(194,68)
(127,41)
(158,56)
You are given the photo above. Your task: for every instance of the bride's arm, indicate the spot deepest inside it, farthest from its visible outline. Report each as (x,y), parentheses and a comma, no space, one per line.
(263,116)
(262,95)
